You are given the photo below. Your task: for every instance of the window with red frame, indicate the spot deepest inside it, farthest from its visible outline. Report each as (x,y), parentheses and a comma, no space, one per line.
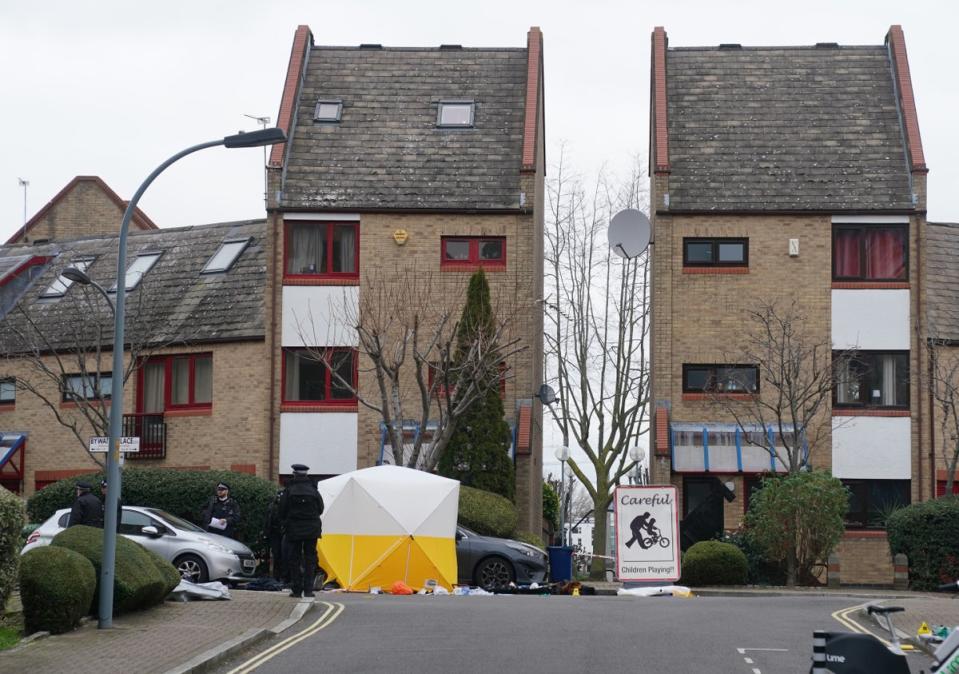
(870,253)
(441,390)
(322,250)
(489,251)
(176,382)
(308,378)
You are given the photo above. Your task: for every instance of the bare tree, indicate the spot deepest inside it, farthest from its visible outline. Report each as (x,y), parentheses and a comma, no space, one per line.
(944,388)
(69,359)
(425,379)
(597,327)
(791,388)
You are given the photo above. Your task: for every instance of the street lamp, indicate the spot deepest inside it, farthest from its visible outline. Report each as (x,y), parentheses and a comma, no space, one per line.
(562,455)
(251,139)
(636,455)
(81,277)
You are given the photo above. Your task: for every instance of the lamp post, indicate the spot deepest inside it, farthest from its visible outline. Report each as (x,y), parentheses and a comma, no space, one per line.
(562,455)
(252,139)
(79,276)
(636,455)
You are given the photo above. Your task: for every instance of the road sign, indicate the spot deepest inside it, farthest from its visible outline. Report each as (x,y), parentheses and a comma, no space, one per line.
(647,534)
(102,445)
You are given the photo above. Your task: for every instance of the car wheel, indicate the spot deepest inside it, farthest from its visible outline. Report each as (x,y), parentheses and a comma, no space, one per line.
(494,573)
(192,568)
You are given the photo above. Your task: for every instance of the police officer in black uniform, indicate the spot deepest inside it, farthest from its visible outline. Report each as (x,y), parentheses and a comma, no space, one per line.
(273,537)
(87,509)
(221,515)
(300,508)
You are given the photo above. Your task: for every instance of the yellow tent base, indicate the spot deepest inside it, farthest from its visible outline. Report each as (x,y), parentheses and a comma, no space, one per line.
(358,563)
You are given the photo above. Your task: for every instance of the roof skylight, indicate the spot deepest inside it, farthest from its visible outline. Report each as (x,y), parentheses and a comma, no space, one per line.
(455,113)
(227,254)
(59,287)
(328,110)
(136,271)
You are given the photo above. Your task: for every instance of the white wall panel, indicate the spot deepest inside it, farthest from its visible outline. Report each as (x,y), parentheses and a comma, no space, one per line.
(876,448)
(313,315)
(325,442)
(870,319)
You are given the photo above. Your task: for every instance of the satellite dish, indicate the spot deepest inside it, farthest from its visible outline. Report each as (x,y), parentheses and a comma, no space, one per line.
(546,394)
(629,233)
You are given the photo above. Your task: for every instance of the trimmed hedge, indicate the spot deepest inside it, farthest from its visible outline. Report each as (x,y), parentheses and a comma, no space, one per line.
(531,538)
(57,587)
(138,582)
(181,492)
(928,534)
(714,563)
(487,513)
(11,524)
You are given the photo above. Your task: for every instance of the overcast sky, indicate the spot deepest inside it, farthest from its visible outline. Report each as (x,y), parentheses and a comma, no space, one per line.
(112,87)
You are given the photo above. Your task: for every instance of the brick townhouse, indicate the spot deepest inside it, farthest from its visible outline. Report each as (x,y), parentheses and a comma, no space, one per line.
(195,315)
(785,174)
(403,165)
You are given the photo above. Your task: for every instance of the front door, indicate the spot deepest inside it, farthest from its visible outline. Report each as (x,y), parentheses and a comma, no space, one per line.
(702,510)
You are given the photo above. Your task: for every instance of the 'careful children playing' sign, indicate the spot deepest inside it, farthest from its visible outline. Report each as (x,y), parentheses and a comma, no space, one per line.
(647,534)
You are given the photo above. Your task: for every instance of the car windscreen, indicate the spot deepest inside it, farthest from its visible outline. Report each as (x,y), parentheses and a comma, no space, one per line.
(178,522)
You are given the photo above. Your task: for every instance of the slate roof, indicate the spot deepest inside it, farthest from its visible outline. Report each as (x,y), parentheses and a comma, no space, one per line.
(387,151)
(784,128)
(174,302)
(942,276)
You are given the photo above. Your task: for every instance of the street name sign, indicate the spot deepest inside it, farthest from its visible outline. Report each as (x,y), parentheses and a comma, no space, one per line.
(102,445)
(647,534)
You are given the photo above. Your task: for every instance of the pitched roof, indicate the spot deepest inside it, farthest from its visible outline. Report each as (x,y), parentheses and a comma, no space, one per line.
(784,129)
(387,151)
(942,276)
(174,303)
(140,219)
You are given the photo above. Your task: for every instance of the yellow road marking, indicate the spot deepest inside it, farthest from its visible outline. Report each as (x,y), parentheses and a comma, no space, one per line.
(842,617)
(332,613)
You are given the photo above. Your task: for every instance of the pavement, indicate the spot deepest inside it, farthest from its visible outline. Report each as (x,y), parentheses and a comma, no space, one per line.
(183,638)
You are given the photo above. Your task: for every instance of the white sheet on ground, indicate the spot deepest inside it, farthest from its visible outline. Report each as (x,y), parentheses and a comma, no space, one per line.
(659,591)
(186,591)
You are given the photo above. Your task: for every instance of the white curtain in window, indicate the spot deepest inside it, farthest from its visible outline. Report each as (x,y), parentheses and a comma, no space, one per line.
(888,364)
(292,375)
(153,376)
(842,381)
(306,254)
(346,238)
(180,382)
(203,379)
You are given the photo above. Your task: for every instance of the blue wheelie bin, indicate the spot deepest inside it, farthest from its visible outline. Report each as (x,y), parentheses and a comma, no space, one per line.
(560,562)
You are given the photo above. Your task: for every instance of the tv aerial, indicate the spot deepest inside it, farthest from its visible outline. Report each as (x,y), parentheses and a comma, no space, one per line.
(629,233)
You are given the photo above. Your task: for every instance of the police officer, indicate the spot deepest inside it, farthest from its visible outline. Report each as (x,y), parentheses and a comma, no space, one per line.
(273,537)
(300,508)
(221,515)
(87,509)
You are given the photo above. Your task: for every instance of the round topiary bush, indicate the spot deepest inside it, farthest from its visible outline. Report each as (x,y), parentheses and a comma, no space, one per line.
(487,513)
(928,534)
(57,587)
(179,492)
(137,581)
(714,563)
(11,523)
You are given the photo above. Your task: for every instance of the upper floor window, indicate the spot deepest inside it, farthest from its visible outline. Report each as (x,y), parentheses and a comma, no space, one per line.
(225,256)
(455,113)
(90,386)
(872,501)
(720,379)
(8,391)
(715,252)
(178,381)
(322,249)
(59,287)
(489,251)
(873,379)
(308,378)
(138,269)
(870,253)
(328,110)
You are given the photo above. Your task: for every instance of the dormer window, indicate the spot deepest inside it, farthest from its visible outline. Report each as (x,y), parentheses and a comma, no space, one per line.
(328,110)
(455,114)
(136,271)
(224,258)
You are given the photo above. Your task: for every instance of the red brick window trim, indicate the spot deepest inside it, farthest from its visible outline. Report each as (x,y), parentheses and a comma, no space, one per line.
(715,270)
(190,412)
(7,407)
(870,413)
(317,250)
(469,253)
(71,405)
(870,285)
(304,408)
(298,281)
(694,397)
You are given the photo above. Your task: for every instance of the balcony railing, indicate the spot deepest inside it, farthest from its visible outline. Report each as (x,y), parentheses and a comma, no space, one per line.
(151,429)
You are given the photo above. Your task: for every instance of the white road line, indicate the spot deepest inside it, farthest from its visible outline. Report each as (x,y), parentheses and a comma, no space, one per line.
(768,650)
(756,671)
(749,661)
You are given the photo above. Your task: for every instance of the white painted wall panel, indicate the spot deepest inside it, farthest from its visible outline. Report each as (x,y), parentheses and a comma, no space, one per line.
(876,448)
(325,442)
(870,319)
(313,315)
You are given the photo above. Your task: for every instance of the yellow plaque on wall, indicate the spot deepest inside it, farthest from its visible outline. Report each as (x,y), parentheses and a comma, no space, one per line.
(400,236)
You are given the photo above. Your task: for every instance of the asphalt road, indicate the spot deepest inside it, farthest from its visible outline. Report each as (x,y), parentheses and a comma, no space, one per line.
(422,634)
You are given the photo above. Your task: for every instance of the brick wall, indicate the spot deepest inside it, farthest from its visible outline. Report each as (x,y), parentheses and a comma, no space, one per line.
(234,431)
(865,559)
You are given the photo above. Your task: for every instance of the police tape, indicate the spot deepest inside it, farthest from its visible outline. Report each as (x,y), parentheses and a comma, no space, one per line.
(590,555)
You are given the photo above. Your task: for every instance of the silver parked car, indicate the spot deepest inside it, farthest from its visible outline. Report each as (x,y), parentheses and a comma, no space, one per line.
(199,556)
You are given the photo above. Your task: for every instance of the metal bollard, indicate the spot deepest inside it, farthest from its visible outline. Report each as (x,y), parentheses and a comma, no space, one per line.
(819,652)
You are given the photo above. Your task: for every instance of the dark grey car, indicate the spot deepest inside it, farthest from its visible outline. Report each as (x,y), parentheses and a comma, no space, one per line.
(493,563)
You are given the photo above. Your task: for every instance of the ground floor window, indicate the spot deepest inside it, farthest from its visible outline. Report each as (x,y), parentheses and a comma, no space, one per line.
(872,501)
